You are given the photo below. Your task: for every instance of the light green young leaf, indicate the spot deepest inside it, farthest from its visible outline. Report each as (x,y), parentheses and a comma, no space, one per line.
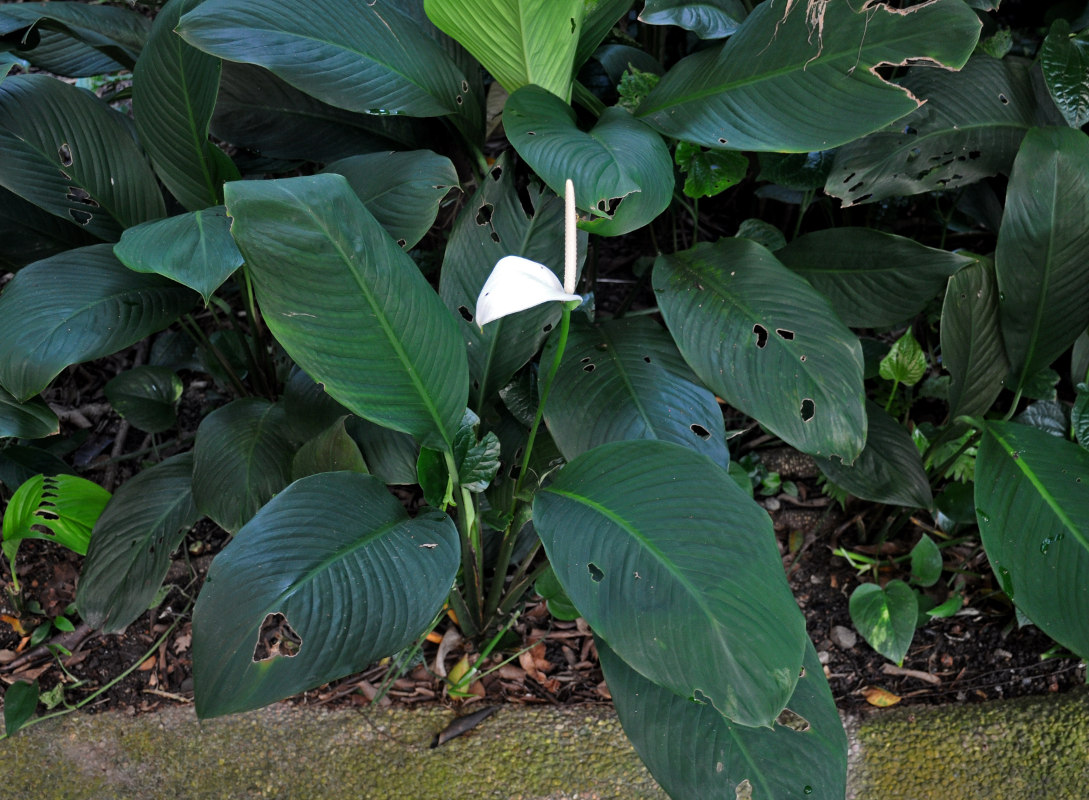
(709,172)
(885,617)
(926,562)
(55,508)
(905,362)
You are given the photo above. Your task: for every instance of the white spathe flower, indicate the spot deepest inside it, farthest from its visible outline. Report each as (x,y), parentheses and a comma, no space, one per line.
(516,284)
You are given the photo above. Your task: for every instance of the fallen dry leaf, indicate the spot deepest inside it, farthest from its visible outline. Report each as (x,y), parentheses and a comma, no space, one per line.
(880,697)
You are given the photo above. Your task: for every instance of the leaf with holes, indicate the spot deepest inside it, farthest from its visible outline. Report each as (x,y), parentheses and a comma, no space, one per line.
(885,617)
(194,249)
(1064,59)
(873,279)
(76,306)
(402,190)
(625,379)
(361,584)
(888,470)
(350,306)
(1043,276)
(968,129)
(1032,505)
(494,224)
(621,169)
(518,42)
(677,569)
(132,544)
(801,77)
(30,420)
(242,457)
(709,19)
(972,348)
(146,396)
(54,508)
(693,751)
(764,340)
(174,87)
(70,154)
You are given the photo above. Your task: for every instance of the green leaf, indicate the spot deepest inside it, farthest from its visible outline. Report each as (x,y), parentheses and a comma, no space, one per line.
(559,604)
(242,457)
(77,306)
(885,617)
(889,469)
(761,338)
(54,508)
(20,702)
(761,232)
(477,461)
(69,153)
(118,34)
(1032,506)
(349,306)
(1049,416)
(926,562)
(1043,277)
(698,607)
(30,420)
(194,249)
(798,171)
(709,19)
(600,17)
(361,584)
(518,42)
(625,379)
(391,455)
(132,542)
(495,224)
(30,234)
(373,58)
(1064,59)
(968,129)
(332,450)
(433,475)
(174,87)
(709,172)
(971,340)
(873,279)
(146,396)
(309,409)
(693,751)
(621,169)
(1079,359)
(756,92)
(402,190)
(905,362)
(1079,416)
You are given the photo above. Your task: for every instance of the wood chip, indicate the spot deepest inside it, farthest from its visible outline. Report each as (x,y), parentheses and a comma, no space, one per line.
(892,669)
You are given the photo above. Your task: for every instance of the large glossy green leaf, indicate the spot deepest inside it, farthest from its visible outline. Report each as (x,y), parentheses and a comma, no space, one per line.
(402,190)
(763,339)
(519,42)
(709,19)
(495,224)
(1043,275)
(332,450)
(597,24)
(1064,59)
(54,508)
(625,379)
(621,169)
(968,129)
(800,77)
(1032,505)
(174,89)
(349,572)
(77,306)
(70,154)
(132,543)
(697,754)
(242,457)
(368,57)
(971,340)
(30,420)
(108,36)
(349,306)
(888,470)
(147,396)
(194,249)
(257,110)
(677,569)
(872,279)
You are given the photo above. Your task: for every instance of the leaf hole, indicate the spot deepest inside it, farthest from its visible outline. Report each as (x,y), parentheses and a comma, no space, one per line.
(573,26)
(78,195)
(801,673)
(276,639)
(496,173)
(465,86)
(743,791)
(864,197)
(974,154)
(761,335)
(700,431)
(910,131)
(783,333)
(584,360)
(531,133)
(401,242)
(609,206)
(547,327)
(1003,99)
(495,237)
(857,186)
(458,100)
(721,140)
(589,368)
(802,359)
(596,575)
(647,359)
(808,409)
(81,217)
(465,313)
(64,153)
(484,215)
(793,720)
(849,178)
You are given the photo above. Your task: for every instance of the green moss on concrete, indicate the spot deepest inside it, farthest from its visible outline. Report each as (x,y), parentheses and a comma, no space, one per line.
(285,752)
(1035,747)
